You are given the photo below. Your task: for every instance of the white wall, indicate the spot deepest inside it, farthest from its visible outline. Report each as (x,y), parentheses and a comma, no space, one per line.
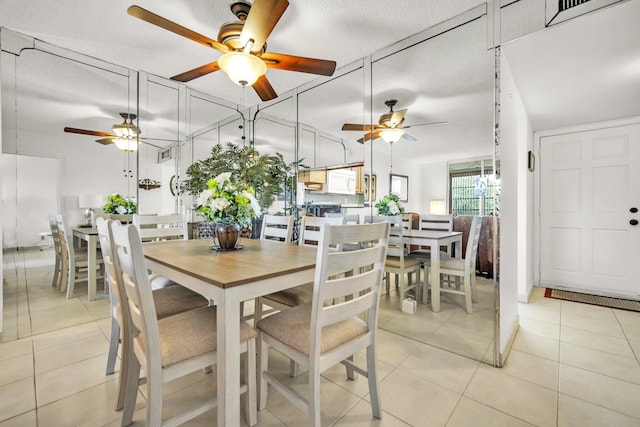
(434,181)
(516,240)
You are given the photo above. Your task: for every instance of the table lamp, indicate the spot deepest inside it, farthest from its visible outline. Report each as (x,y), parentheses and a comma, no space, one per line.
(436,207)
(89,202)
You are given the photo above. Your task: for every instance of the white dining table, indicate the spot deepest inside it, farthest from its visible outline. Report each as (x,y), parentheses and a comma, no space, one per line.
(230,277)
(434,239)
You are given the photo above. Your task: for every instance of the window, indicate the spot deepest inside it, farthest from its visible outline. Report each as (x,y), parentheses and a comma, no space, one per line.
(471,187)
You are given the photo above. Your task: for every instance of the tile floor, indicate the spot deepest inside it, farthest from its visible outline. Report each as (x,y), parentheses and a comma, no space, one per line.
(571,365)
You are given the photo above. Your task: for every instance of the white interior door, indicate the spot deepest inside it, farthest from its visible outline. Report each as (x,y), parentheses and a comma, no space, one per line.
(589,189)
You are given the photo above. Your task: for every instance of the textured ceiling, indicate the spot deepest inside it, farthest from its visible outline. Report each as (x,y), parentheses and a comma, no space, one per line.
(448,78)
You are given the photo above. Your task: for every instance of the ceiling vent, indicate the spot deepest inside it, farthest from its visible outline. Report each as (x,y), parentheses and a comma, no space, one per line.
(568,4)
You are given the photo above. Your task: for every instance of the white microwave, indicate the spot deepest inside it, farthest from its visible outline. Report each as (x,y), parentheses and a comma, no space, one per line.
(341,181)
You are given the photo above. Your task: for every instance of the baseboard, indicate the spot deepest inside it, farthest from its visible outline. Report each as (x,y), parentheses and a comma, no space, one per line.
(512,337)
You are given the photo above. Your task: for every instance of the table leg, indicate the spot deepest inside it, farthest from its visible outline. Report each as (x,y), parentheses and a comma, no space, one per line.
(228,371)
(435,277)
(92,264)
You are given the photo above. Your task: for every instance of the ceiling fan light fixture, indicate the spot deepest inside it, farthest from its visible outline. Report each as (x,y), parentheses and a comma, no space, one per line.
(243,69)
(391,135)
(126,144)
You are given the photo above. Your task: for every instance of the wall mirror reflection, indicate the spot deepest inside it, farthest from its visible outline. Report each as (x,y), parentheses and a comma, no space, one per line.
(436,91)
(399,184)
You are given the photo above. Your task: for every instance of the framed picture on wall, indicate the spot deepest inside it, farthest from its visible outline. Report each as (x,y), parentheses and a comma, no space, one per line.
(367,180)
(399,184)
(374,193)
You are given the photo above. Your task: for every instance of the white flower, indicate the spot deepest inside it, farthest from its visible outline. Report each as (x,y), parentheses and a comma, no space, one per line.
(255,206)
(121,210)
(393,208)
(203,198)
(219,204)
(220,179)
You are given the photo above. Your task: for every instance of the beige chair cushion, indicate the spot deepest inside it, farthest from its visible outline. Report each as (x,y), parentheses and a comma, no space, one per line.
(292,327)
(190,334)
(176,299)
(394,261)
(302,294)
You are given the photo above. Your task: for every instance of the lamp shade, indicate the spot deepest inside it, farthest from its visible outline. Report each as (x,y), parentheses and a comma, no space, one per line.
(87,201)
(242,68)
(436,207)
(126,144)
(391,135)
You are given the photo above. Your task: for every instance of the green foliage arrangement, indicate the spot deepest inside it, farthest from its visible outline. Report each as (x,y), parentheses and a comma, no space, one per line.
(390,205)
(116,204)
(227,199)
(269,176)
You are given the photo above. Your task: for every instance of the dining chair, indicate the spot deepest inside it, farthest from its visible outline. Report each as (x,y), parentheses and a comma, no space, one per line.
(459,267)
(172,347)
(160,227)
(398,262)
(309,235)
(436,223)
(74,264)
(277,227)
(57,250)
(320,334)
(168,301)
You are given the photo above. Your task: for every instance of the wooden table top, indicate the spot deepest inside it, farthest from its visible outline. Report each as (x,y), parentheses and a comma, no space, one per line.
(257,260)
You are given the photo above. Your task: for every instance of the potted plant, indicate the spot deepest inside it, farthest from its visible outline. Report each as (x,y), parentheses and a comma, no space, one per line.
(268,175)
(390,205)
(121,208)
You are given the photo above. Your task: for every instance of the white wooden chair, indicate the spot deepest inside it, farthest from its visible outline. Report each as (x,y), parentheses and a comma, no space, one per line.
(321,334)
(398,262)
(160,227)
(57,250)
(171,347)
(157,228)
(460,267)
(168,301)
(309,235)
(277,227)
(437,223)
(74,264)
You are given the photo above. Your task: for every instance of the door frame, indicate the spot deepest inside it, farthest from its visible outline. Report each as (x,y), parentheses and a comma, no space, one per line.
(537,136)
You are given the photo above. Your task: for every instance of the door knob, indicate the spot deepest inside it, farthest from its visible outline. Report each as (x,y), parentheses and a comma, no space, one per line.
(633,210)
(633,222)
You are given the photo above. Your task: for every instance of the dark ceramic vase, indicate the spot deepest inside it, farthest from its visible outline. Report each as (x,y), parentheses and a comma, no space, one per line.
(227,235)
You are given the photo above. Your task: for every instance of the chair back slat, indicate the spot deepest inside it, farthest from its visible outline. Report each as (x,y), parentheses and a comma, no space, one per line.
(436,222)
(359,292)
(472,243)
(160,227)
(277,228)
(112,265)
(309,234)
(135,281)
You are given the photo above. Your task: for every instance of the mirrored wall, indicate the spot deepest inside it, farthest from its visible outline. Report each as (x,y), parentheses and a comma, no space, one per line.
(443,77)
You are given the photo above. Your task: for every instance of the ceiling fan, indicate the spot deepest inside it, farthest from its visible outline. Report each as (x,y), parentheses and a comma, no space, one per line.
(124,135)
(389,126)
(243,44)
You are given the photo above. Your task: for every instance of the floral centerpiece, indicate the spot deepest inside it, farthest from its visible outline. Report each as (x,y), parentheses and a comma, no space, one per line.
(116,204)
(231,204)
(390,205)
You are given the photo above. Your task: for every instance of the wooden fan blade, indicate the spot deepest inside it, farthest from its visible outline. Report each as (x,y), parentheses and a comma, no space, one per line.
(408,138)
(104,141)
(426,124)
(196,72)
(263,17)
(354,126)
(146,141)
(301,64)
(397,117)
(89,132)
(161,22)
(370,135)
(264,89)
